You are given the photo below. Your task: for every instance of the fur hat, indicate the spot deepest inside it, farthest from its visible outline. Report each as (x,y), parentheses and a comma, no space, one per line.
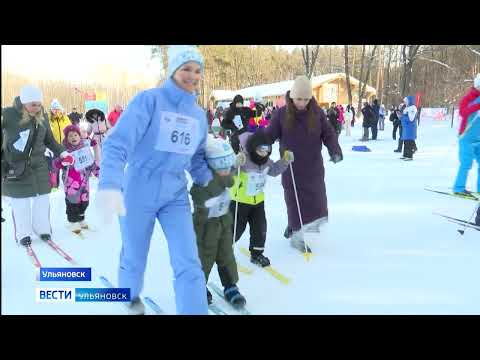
(181,54)
(302,88)
(30,93)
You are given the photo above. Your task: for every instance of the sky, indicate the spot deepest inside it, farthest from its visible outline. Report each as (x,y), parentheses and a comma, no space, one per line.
(83,62)
(79,62)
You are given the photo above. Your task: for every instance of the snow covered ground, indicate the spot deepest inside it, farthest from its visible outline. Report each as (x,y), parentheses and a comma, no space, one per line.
(382,252)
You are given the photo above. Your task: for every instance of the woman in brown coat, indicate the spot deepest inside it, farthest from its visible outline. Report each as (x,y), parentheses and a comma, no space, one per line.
(301,127)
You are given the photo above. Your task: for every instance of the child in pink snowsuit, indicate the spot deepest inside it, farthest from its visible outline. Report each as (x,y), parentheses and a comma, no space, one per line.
(76,181)
(341,117)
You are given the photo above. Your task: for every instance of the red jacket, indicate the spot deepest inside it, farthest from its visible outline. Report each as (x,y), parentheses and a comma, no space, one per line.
(466,107)
(113,117)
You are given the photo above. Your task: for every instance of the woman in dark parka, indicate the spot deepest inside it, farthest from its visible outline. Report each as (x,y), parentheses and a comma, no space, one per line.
(301,127)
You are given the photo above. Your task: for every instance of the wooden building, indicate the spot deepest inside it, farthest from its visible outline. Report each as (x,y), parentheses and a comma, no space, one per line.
(326,88)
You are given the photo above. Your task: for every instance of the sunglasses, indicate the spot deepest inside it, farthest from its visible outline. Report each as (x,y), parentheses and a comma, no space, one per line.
(264,148)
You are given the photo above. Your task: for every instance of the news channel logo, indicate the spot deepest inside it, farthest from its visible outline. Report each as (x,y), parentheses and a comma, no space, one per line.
(70,295)
(67,294)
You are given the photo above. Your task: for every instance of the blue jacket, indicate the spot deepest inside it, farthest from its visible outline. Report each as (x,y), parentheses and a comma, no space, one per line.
(136,137)
(409,122)
(472,132)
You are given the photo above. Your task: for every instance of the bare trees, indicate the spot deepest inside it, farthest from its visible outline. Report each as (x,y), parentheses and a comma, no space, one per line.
(440,72)
(363,80)
(309,59)
(347,75)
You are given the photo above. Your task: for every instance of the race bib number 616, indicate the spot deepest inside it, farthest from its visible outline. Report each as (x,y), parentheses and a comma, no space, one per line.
(178,133)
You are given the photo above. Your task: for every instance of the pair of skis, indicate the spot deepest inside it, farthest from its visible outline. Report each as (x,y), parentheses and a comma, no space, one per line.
(214,308)
(31,253)
(470,196)
(147,300)
(465,223)
(269,269)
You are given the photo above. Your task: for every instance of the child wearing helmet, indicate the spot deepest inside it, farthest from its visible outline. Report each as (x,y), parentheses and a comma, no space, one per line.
(213,221)
(248,190)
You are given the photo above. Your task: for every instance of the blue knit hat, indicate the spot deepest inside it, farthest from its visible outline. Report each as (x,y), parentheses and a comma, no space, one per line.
(181,54)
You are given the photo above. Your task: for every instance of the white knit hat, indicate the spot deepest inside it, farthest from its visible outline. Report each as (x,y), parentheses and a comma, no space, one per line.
(30,93)
(476,82)
(55,105)
(302,88)
(219,154)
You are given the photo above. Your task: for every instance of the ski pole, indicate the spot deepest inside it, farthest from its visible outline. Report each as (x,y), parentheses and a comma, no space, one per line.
(470,219)
(299,213)
(236,209)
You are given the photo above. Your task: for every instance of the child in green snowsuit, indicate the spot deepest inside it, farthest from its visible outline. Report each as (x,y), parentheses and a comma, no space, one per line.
(213,221)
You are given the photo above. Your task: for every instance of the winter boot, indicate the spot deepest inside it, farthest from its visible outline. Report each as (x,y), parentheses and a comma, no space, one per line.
(209,297)
(298,243)
(75,227)
(136,307)
(233,296)
(466,193)
(397,150)
(26,241)
(259,259)
(45,237)
(288,232)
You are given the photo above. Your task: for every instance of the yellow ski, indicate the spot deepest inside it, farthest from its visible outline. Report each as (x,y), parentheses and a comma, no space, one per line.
(244,269)
(283,279)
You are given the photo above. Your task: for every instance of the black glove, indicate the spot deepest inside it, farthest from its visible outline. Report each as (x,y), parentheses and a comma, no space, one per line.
(336,158)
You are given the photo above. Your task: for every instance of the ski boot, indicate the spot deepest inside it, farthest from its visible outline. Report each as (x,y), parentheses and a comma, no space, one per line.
(288,232)
(233,296)
(136,307)
(26,241)
(466,193)
(45,237)
(259,259)
(75,227)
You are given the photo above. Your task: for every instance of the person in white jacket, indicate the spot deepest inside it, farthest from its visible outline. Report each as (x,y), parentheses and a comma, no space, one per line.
(348,115)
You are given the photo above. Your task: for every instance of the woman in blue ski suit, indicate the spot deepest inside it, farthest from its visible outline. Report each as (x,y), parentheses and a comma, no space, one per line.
(161,133)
